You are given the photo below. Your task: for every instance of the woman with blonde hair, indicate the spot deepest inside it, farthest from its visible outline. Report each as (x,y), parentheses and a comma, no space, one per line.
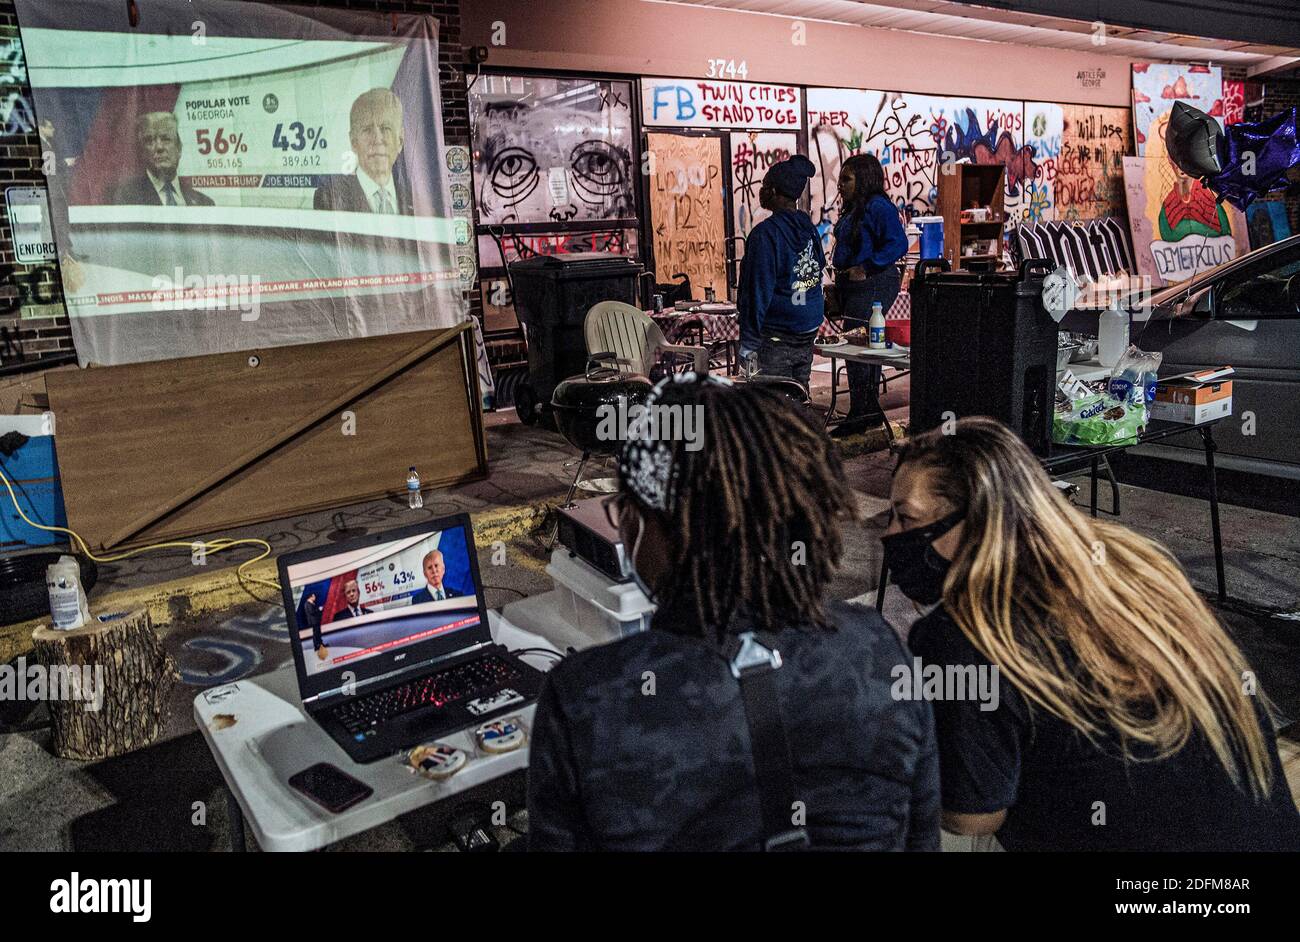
(1127,719)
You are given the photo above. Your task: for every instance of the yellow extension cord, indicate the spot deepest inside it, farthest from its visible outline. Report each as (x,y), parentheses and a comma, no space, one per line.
(210,546)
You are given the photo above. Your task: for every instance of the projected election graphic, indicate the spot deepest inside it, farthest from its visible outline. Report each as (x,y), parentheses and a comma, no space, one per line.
(355,605)
(235,175)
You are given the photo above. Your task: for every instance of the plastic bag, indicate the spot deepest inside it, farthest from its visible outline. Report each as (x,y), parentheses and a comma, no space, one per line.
(1114,417)
(1099,419)
(1134,378)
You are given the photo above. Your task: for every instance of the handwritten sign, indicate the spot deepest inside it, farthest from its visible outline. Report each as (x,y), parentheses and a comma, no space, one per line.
(1078,154)
(686,211)
(1175,235)
(700,103)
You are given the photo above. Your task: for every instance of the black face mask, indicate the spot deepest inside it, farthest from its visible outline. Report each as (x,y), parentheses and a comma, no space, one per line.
(914,565)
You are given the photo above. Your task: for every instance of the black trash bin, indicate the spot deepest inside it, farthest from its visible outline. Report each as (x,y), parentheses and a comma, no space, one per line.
(983,344)
(552,296)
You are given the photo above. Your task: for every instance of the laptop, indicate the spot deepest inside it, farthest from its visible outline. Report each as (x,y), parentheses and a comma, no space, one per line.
(391,642)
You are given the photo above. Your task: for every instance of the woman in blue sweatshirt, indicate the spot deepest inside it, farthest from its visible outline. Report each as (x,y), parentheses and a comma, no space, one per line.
(780,297)
(869,241)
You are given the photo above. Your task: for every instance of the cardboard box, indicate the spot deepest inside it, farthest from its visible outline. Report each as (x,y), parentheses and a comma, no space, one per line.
(1192,400)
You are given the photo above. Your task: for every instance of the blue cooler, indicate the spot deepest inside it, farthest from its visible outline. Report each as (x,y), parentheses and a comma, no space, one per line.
(33,471)
(931,235)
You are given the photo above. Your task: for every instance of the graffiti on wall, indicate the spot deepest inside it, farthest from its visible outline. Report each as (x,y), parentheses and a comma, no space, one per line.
(913,136)
(1079,155)
(16,116)
(1234,101)
(1157,85)
(752,154)
(1179,227)
(552,150)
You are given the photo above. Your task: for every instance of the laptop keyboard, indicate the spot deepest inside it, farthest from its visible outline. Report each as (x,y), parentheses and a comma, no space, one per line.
(431,690)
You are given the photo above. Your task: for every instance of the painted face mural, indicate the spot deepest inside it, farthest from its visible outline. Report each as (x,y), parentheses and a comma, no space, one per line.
(552,150)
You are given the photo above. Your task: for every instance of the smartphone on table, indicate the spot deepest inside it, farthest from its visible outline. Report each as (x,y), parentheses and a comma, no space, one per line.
(330,787)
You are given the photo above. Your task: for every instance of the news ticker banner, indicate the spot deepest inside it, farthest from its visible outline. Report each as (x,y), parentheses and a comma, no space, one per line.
(234,175)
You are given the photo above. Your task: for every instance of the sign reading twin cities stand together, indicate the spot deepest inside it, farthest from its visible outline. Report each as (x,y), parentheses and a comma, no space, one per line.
(243,175)
(703,103)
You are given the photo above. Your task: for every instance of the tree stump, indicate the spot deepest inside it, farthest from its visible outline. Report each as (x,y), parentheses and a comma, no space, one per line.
(121,665)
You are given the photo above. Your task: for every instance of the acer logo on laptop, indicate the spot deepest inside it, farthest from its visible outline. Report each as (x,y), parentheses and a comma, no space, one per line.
(399,657)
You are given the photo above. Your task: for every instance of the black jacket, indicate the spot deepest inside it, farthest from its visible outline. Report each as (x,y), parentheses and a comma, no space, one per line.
(139,191)
(643,745)
(344,193)
(1065,793)
(345,613)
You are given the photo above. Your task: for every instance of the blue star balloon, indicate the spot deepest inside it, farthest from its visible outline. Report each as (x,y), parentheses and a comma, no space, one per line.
(1239,164)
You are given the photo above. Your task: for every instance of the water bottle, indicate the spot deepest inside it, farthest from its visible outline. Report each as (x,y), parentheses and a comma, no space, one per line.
(1112,336)
(413,498)
(68,610)
(876,328)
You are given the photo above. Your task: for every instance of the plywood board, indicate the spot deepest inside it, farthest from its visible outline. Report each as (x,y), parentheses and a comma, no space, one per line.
(187,447)
(1179,229)
(687,213)
(1079,153)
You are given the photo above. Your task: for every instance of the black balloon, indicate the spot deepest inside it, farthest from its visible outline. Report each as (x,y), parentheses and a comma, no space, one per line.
(1193,140)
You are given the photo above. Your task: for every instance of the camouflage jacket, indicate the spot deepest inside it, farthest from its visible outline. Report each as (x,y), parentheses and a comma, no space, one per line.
(643,745)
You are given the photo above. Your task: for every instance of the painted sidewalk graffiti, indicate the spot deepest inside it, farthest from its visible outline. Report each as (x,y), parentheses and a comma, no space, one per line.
(235,648)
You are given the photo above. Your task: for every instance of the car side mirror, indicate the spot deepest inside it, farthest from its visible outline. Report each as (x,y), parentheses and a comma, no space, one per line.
(1200,304)
(1293,291)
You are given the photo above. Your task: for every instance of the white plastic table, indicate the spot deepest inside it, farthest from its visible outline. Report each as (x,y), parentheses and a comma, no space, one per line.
(900,358)
(272,738)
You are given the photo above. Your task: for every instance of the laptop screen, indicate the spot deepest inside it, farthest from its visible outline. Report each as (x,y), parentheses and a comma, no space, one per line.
(358,605)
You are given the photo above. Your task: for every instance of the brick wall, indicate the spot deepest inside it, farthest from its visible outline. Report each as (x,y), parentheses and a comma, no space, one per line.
(1279,95)
(32,290)
(42,332)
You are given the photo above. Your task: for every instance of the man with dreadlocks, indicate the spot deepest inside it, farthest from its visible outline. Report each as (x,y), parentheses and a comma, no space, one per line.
(753,714)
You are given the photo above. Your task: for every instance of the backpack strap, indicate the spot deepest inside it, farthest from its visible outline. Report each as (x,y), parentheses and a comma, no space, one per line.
(754,666)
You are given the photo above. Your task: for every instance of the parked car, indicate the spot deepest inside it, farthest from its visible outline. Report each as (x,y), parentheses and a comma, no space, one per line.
(1245,314)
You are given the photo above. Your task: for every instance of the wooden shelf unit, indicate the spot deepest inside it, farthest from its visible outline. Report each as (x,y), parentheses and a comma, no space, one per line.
(971,186)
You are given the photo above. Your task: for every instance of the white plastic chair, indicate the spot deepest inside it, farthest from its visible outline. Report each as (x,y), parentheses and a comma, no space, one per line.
(634,338)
